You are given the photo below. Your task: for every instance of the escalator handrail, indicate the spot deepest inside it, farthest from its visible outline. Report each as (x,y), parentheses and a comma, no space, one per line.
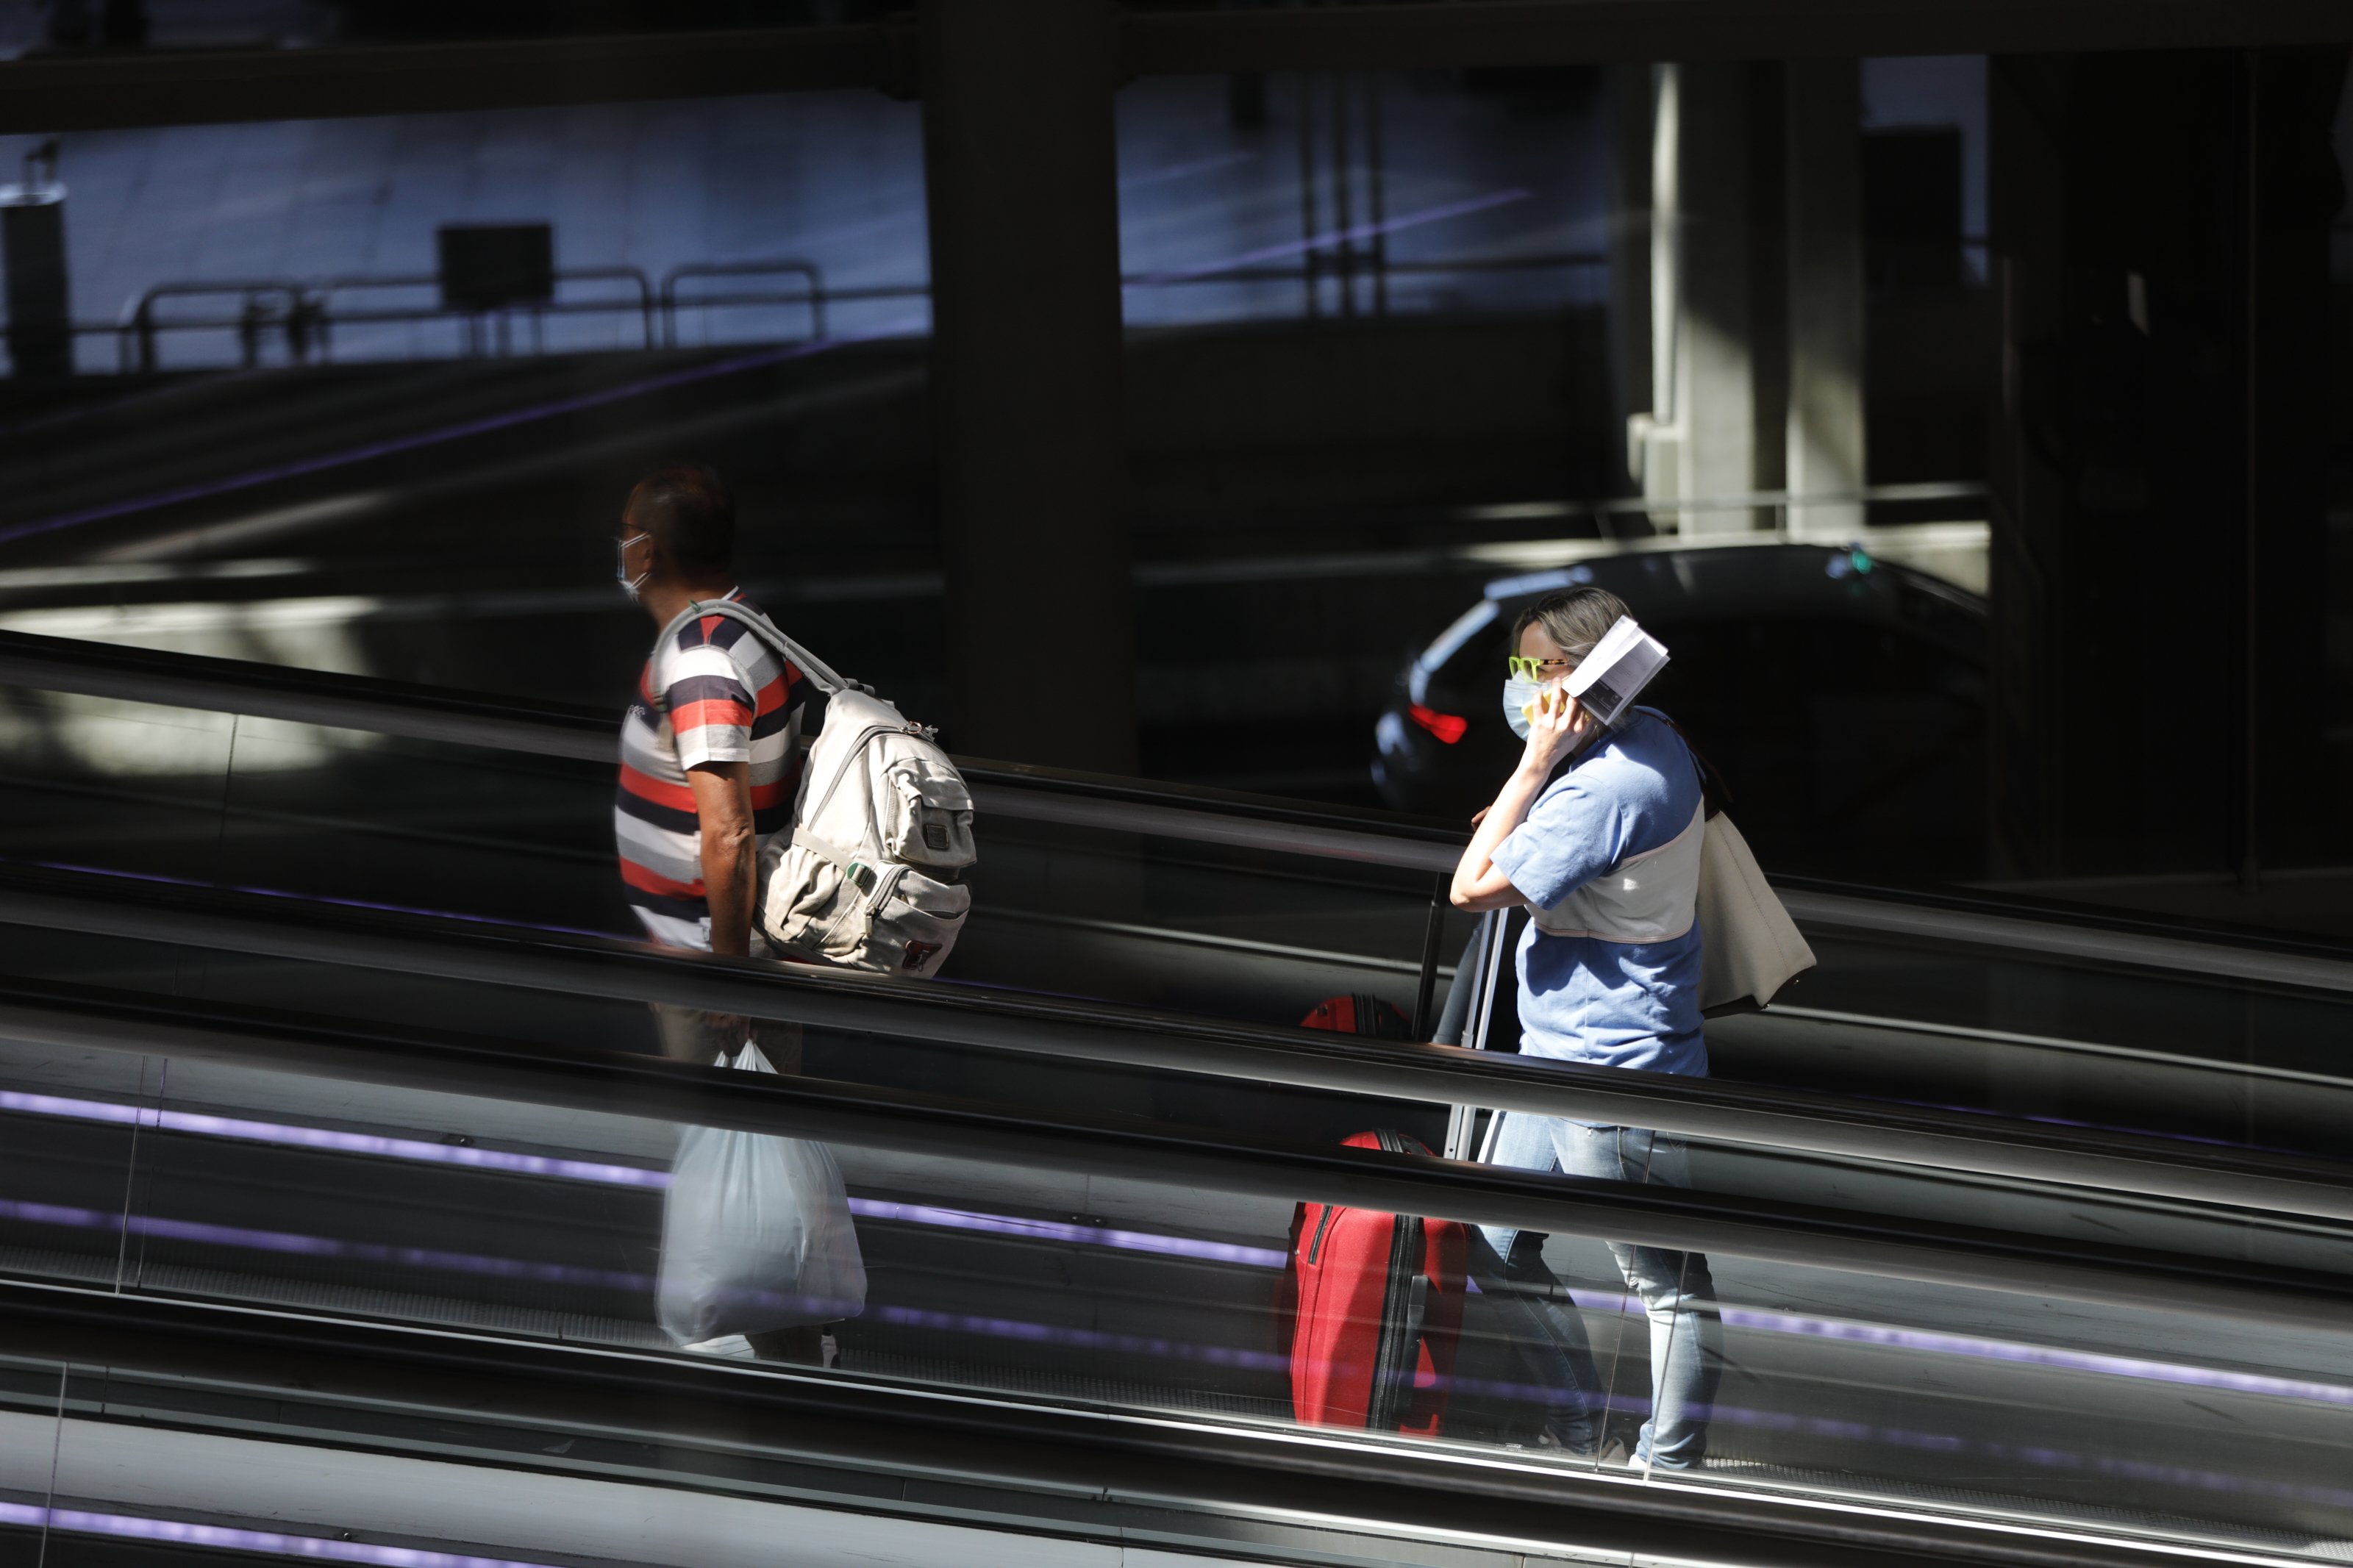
(1113,1035)
(551,729)
(1933,1252)
(445,1378)
(1199,814)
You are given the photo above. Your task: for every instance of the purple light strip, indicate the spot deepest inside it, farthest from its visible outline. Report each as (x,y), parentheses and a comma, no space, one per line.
(1333,236)
(220,1538)
(1079,1338)
(333,1141)
(294,1244)
(505,1163)
(1935,1344)
(1056,1230)
(2177,1476)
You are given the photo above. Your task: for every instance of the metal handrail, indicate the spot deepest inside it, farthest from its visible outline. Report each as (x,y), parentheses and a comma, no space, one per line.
(862,1115)
(310,314)
(814,297)
(138,325)
(1109,1033)
(1200,815)
(623,271)
(310,308)
(977,1441)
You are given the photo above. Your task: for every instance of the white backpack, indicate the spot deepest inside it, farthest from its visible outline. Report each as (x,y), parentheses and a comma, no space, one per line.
(882,826)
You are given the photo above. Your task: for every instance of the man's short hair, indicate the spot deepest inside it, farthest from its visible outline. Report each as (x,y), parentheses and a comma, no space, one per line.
(688,509)
(1574,618)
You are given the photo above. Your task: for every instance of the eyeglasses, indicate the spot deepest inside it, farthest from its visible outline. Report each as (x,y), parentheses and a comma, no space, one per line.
(1540,668)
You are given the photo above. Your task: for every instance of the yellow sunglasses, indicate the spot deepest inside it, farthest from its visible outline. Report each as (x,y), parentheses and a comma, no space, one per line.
(1540,668)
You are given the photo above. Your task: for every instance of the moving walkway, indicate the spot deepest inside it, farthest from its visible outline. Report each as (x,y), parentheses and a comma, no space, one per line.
(434,1248)
(312,1178)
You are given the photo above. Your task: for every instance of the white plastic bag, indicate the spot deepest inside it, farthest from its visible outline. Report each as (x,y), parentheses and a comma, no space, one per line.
(756,1233)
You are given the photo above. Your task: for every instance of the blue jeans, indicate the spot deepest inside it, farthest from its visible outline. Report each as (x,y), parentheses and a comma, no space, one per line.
(1686,1334)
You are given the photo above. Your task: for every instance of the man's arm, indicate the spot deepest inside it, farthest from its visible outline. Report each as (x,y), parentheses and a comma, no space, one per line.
(722,805)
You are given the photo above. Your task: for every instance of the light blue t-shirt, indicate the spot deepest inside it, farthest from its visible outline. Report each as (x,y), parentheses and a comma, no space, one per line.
(1626,1005)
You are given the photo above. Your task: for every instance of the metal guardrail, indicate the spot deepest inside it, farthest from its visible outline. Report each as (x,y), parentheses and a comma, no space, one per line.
(304,312)
(813,295)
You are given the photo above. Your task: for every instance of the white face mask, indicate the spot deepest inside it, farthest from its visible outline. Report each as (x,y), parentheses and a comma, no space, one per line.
(630,585)
(1518,693)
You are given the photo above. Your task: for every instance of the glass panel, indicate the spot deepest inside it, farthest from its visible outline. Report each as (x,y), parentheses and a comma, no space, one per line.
(1342,194)
(34,1394)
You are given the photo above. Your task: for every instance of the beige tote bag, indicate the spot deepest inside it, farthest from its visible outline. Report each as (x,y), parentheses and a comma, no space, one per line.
(1749,946)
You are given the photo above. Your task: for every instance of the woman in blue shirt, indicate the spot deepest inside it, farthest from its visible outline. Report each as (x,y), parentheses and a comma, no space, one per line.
(1599,835)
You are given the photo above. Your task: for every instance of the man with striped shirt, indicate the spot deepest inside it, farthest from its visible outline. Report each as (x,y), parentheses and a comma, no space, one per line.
(709,752)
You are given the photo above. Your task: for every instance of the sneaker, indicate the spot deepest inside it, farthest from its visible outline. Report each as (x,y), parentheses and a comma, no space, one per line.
(734,1347)
(1612,1455)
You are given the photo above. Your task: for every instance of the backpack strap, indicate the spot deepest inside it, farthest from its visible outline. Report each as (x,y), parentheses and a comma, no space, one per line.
(819,673)
(850,756)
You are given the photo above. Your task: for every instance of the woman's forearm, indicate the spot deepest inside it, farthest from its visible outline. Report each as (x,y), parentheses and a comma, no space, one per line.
(1477,884)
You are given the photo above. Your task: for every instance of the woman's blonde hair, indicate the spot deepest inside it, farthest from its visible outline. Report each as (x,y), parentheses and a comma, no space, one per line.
(1574,618)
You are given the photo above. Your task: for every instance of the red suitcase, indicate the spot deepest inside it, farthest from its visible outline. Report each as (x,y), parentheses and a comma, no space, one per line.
(1358,1014)
(1376,1303)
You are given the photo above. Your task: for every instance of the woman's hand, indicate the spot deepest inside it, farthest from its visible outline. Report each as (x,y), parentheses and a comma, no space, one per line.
(1556,721)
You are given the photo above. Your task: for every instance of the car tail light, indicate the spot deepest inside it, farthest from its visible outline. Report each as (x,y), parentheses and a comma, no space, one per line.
(1447,727)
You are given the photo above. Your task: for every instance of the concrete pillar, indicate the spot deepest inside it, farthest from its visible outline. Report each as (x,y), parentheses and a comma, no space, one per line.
(1627,92)
(1021,177)
(1823,104)
(1710,381)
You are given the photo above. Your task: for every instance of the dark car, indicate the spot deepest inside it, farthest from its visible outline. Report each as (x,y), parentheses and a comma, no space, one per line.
(1842,697)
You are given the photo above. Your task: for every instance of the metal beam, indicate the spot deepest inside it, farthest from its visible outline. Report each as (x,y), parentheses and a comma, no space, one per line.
(164,87)
(1576,32)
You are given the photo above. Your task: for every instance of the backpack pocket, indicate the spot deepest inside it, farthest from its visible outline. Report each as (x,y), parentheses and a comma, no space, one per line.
(922,814)
(809,905)
(891,919)
(916,919)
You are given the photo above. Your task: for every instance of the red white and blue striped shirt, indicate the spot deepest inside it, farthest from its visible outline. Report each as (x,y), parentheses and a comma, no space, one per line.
(711,692)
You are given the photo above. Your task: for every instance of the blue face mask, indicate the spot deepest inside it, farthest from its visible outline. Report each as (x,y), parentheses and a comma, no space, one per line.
(1518,693)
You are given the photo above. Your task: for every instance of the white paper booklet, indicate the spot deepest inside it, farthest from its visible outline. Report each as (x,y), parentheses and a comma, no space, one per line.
(1615,672)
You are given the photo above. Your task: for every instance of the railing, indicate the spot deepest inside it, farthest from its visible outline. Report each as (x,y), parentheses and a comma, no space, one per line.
(305,313)
(813,295)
